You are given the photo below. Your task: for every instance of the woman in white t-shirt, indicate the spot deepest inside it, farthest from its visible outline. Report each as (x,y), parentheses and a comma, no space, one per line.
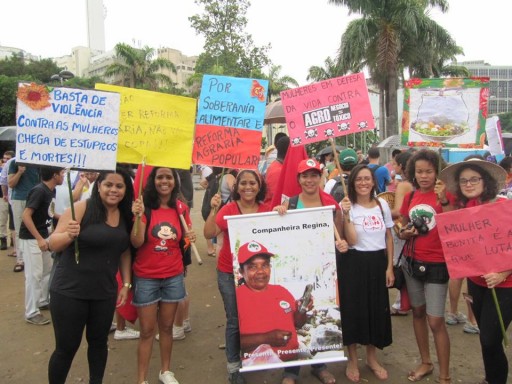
(366,272)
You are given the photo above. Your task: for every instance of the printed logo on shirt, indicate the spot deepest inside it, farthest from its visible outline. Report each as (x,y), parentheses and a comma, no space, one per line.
(165,232)
(426,212)
(372,223)
(286,306)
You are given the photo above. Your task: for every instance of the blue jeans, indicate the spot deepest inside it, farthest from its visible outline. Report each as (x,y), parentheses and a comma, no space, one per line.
(226,283)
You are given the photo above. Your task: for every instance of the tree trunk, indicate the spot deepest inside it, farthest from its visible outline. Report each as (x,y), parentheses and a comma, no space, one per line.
(382,113)
(392,104)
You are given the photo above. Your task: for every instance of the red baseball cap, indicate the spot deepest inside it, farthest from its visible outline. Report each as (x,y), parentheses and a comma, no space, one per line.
(251,249)
(306,165)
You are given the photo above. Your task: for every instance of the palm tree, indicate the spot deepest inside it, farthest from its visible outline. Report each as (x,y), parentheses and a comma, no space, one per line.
(278,83)
(137,67)
(329,71)
(382,40)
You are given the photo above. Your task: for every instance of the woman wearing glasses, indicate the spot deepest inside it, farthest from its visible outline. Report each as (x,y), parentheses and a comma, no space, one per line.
(475,182)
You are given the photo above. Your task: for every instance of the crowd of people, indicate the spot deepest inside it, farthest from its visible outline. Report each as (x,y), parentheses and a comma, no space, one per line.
(119,248)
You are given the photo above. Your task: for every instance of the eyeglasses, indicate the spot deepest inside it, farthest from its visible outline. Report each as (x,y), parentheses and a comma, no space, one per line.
(472,181)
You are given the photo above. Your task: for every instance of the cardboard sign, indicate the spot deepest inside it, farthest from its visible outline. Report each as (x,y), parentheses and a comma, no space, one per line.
(445,112)
(292,239)
(494,136)
(477,240)
(327,109)
(156,126)
(230,122)
(66,127)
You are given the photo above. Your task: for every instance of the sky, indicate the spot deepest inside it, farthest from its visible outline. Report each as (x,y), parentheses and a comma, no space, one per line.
(302,33)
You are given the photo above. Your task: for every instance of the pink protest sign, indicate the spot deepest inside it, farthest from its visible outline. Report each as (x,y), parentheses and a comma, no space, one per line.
(327,109)
(478,240)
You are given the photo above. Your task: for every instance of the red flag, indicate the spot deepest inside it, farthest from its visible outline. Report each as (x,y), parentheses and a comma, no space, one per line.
(288,185)
(137,182)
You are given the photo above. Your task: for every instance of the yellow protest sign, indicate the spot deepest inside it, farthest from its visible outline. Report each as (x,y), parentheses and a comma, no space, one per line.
(156,126)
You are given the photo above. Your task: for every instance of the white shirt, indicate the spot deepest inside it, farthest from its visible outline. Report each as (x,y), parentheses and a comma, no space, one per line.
(370,226)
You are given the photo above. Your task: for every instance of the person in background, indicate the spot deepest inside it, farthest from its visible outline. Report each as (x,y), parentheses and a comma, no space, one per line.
(248,194)
(274,170)
(4,202)
(83,187)
(37,217)
(21,180)
(506,164)
(477,182)
(390,167)
(348,160)
(401,306)
(381,173)
(159,267)
(268,158)
(84,293)
(427,285)
(365,272)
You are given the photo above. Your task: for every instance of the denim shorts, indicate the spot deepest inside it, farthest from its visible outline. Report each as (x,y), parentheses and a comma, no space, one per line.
(151,291)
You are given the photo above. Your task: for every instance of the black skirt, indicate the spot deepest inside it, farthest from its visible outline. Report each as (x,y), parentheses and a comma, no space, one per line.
(364,300)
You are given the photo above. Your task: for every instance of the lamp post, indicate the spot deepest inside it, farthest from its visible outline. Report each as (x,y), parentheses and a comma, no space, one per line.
(62,75)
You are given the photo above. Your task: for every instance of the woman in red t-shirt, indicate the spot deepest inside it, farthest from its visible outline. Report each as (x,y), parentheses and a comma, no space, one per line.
(159,266)
(424,269)
(248,194)
(475,182)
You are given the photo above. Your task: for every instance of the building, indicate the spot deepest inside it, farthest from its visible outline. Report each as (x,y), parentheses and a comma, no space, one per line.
(500,86)
(96,13)
(6,52)
(184,65)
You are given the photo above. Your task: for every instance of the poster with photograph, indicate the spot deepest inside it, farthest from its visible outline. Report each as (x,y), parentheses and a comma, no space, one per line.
(285,272)
(445,112)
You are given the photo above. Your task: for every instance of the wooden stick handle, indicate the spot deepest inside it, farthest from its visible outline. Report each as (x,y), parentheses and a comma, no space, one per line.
(194,249)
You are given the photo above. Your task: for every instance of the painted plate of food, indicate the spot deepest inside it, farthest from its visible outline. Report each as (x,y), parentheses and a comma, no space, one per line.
(439,130)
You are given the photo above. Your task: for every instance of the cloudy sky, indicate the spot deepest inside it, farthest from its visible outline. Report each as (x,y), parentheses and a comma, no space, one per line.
(302,33)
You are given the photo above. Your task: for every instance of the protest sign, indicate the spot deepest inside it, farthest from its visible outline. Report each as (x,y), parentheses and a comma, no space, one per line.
(303,264)
(230,122)
(494,136)
(156,126)
(66,127)
(478,240)
(445,112)
(327,109)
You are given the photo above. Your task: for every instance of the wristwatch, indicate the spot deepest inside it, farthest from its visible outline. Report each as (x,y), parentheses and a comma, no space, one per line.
(128,285)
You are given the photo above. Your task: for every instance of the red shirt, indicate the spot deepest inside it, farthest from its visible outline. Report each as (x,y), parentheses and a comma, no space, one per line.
(265,311)
(225,259)
(478,279)
(272,178)
(160,255)
(424,204)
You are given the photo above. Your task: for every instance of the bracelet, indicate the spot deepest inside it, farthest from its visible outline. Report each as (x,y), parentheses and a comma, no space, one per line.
(127,285)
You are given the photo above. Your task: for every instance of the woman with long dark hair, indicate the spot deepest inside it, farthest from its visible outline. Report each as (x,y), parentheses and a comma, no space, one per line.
(84,290)
(248,194)
(365,272)
(159,267)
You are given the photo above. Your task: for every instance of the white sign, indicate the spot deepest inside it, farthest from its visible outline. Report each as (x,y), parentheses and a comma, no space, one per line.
(66,127)
(494,139)
(303,259)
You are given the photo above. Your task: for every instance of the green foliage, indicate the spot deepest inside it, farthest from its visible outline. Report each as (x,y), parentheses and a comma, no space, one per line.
(8,88)
(506,121)
(278,83)
(228,49)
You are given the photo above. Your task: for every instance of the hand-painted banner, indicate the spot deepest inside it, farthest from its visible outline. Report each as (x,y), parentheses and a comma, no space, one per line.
(66,127)
(279,325)
(157,126)
(445,112)
(478,240)
(230,122)
(327,109)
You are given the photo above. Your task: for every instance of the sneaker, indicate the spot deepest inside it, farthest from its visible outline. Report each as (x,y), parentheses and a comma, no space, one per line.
(38,320)
(126,334)
(186,325)
(452,319)
(167,377)
(236,378)
(471,328)
(113,327)
(178,333)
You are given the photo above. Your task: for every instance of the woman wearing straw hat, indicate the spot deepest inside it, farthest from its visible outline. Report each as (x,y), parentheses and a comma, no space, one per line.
(475,182)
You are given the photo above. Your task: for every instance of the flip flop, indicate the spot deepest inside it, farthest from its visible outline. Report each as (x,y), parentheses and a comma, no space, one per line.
(12,254)
(353,375)
(414,376)
(211,254)
(19,267)
(397,312)
(324,376)
(379,372)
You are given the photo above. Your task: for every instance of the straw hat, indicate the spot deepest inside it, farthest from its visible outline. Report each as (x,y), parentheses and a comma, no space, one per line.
(448,174)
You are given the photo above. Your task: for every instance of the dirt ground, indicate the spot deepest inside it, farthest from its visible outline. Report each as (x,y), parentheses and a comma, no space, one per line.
(25,349)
